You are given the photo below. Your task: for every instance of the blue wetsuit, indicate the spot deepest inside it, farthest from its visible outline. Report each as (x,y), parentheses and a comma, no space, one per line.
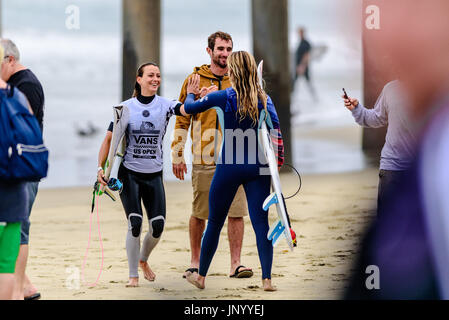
(234,170)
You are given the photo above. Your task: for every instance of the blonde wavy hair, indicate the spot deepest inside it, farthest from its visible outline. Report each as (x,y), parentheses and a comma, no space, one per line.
(244,80)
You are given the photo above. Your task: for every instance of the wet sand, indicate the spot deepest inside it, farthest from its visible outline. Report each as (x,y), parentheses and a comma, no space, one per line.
(329,216)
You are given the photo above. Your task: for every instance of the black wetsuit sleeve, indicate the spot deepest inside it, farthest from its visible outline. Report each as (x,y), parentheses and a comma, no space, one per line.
(214,99)
(111,126)
(177,109)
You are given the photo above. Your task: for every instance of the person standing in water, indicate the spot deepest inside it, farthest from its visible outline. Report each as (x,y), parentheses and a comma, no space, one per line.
(302,61)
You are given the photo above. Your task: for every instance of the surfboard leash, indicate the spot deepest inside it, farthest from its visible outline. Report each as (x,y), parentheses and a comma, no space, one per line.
(293,233)
(95,203)
(300,181)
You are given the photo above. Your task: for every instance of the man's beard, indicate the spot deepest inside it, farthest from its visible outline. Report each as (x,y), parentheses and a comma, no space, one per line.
(218,63)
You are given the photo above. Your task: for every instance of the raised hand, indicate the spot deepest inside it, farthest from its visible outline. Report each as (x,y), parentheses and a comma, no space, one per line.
(206,90)
(193,84)
(203,92)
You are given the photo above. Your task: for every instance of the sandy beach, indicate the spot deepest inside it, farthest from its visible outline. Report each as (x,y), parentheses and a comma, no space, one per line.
(329,216)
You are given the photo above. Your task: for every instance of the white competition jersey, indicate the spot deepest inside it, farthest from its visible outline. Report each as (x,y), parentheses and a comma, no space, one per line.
(145,131)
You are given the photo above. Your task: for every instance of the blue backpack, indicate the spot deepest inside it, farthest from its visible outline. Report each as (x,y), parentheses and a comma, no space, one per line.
(23,155)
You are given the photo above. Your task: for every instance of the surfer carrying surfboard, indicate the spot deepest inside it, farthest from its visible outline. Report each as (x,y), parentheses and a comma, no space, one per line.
(238,163)
(146,115)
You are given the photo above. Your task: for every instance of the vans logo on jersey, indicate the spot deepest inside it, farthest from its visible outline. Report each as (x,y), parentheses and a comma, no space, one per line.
(146,139)
(146,113)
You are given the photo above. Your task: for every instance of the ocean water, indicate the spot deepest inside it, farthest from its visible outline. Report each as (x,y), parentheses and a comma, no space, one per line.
(80,69)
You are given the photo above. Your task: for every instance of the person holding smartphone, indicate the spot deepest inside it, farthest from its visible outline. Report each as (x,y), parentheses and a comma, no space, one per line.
(398,151)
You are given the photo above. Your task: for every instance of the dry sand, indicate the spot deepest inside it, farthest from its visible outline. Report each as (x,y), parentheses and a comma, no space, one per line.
(329,216)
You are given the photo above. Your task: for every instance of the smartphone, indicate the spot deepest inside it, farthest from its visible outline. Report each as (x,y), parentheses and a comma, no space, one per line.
(346,95)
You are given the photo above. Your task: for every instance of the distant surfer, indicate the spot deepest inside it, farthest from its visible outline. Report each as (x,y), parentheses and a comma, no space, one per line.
(302,61)
(141,170)
(240,106)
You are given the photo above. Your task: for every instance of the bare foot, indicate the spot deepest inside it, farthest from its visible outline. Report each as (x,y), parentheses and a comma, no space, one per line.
(190,271)
(147,272)
(267,286)
(196,280)
(133,282)
(27,292)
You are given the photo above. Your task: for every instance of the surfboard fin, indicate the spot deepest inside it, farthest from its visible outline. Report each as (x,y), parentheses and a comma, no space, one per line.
(270,200)
(276,232)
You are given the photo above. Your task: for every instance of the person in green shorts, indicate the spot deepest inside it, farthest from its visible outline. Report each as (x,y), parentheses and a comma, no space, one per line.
(13,210)
(9,250)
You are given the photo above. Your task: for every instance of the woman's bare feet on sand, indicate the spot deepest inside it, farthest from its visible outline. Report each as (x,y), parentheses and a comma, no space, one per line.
(147,272)
(196,280)
(267,286)
(133,282)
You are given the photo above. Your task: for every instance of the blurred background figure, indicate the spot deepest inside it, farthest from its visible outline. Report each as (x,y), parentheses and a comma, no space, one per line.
(398,152)
(408,243)
(89,130)
(302,61)
(13,205)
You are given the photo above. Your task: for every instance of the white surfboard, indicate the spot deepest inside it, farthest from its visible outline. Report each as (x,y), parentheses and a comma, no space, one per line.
(318,51)
(118,143)
(280,229)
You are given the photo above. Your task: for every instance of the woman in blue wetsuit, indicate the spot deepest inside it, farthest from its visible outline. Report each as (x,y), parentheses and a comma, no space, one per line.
(240,106)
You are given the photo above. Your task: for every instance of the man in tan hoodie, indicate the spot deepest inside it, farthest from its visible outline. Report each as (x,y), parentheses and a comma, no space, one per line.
(206,137)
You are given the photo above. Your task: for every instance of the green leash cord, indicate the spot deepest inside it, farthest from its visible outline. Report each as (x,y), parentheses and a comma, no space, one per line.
(98,192)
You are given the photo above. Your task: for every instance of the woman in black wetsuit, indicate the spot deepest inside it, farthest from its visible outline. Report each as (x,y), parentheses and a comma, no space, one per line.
(141,170)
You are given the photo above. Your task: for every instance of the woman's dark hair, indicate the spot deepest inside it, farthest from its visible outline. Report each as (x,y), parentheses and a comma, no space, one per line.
(137,89)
